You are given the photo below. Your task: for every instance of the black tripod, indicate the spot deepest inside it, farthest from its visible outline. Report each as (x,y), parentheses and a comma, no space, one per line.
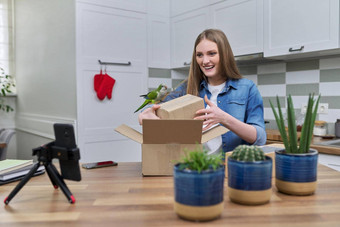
(45,155)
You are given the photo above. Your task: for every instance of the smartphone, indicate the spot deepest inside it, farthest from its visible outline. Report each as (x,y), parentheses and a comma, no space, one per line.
(99,164)
(65,138)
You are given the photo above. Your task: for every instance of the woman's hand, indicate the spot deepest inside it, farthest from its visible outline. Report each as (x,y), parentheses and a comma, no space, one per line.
(211,116)
(149,113)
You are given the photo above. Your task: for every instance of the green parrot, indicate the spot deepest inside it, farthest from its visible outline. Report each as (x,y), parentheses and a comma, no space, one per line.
(154,96)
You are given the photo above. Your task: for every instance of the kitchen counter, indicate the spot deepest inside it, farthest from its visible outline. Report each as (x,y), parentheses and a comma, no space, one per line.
(121,196)
(273,136)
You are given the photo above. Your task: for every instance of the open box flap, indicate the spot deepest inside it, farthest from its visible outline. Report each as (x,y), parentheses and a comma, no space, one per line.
(172,131)
(130,133)
(214,132)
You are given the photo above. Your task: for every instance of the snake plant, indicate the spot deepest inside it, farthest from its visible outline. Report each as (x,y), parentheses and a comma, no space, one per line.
(290,139)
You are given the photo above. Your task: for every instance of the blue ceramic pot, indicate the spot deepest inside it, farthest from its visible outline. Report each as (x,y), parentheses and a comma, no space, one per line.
(296,174)
(250,182)
(199,196)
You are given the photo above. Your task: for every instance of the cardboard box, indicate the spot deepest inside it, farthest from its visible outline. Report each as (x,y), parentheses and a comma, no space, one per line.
(183,107)
(164,141)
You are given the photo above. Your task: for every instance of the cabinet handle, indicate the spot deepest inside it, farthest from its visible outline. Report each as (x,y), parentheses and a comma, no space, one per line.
(187,63)
(113,63)
(299,49)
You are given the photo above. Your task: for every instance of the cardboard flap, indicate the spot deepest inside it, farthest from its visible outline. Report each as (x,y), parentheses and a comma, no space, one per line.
(172,131)
(130,133)
(214,132)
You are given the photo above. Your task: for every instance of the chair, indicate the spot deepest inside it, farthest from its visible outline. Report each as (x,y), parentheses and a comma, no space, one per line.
(5,138)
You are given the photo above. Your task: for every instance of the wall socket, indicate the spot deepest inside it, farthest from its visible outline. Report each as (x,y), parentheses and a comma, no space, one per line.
(322,108)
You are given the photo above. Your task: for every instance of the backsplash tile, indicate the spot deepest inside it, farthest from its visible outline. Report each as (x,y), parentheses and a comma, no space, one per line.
(303,77)
(248,70)
(266,102)
(330,63)
(302,89)
(330,75)
(271,78)
(302,65)
(330,89)
(333,101)
(271,68)
(159,73)
(272,90)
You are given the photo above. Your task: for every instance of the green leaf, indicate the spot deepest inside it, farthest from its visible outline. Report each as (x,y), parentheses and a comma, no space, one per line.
(305,131)
(199,160)
(291,125)
(313,117)
(280,123)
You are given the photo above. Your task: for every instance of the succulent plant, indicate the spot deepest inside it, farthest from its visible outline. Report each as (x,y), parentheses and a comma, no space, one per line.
(199,160)
(248,153)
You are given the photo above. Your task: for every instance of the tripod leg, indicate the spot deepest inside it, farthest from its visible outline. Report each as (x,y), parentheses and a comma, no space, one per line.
(55,185)
(22,183)
(56,178)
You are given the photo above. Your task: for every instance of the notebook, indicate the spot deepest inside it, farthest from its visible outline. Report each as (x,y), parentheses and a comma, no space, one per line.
(9,165)
(19,172)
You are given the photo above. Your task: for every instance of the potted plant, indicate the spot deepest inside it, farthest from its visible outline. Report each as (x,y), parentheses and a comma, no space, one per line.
(249,176)
(198,186)
(6,84)
(296,165)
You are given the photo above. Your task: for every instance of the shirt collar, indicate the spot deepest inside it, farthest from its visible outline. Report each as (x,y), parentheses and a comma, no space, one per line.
(232,83)
(229,84)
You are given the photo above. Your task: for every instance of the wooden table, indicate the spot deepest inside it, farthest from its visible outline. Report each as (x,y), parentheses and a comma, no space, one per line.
(120,196)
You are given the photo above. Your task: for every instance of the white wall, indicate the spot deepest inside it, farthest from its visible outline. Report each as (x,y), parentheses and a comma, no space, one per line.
(45,69)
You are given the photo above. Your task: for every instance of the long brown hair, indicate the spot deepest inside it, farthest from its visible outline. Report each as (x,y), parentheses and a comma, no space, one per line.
(228,67)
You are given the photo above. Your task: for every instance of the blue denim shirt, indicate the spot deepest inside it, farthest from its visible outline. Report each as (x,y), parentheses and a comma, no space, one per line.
(239,98)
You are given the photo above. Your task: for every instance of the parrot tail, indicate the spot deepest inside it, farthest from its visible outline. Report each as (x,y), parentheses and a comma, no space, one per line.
(144,104)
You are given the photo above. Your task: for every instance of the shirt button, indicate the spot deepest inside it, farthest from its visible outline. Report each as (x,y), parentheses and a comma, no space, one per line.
(219,101)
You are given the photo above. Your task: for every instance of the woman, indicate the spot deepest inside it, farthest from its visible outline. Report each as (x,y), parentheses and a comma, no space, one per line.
(230,100)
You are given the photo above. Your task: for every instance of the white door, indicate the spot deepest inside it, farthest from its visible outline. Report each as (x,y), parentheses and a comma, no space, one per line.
(242,22)
(293,27)
(115,36)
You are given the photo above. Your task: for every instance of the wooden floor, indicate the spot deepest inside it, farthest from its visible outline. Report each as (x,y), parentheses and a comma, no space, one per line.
(120,196)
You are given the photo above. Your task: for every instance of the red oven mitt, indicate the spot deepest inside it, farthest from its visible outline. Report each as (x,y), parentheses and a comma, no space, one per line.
(98,79)
(106,86)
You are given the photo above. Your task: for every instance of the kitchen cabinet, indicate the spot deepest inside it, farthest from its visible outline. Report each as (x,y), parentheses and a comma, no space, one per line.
(184,31)
(295,27)
(158,42)
(242,22)
(130,5)
(158,33)
(178,7)
(115,36)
